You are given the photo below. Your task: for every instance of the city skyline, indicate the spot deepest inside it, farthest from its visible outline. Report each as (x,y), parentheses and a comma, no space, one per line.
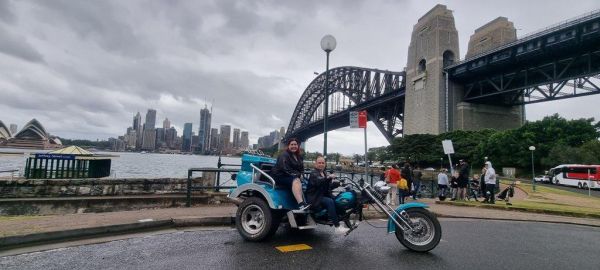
(191,55)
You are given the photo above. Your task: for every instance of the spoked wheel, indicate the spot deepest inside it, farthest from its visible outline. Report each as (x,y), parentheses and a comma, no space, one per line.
(255,221)
(426,234)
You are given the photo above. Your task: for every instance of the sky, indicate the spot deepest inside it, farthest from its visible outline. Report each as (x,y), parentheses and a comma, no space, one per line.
(85,68)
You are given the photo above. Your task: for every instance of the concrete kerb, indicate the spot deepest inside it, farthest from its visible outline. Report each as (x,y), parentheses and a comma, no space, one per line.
(521,209)
(11,242)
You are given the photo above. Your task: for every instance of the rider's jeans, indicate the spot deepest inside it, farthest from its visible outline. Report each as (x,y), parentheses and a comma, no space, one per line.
(330,206)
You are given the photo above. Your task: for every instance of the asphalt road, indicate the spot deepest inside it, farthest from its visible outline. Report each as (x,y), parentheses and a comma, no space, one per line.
(594,192)
(466,244)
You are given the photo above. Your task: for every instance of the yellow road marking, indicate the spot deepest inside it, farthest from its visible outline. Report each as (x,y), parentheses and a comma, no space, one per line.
(291,248)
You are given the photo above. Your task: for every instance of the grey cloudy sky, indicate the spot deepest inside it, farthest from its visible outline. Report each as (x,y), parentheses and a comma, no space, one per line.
(84,68)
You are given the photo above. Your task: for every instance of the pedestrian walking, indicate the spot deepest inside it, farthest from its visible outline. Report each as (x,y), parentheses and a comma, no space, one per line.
(392,177)
(490,182)
(454,186)
(417,175)
(463,179)
(407,171)
(442,184)
(403,190)
(482,183)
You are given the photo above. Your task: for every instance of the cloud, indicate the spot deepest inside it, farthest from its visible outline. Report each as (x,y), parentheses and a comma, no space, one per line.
(84,68)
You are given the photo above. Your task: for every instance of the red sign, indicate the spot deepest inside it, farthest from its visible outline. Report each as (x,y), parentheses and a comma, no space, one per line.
(362,119)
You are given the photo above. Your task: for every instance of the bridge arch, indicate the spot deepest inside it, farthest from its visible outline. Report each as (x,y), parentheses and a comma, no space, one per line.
(381,92)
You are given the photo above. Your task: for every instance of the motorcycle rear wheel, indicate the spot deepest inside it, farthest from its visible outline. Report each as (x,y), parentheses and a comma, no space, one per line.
(427,234)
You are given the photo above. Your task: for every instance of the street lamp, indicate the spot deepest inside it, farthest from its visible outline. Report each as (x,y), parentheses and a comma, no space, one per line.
(532,148)
(328,44)
(441,163)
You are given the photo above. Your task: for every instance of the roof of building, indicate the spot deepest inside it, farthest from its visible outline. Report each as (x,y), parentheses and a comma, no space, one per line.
(72,150)
(4,131)
(32,130)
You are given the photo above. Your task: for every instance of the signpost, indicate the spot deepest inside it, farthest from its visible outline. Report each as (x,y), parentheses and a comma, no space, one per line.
(359,120)
(449,149)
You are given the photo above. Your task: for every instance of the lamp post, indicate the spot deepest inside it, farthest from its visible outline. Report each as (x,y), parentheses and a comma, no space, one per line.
(441,163)
(328,44)
(532,148)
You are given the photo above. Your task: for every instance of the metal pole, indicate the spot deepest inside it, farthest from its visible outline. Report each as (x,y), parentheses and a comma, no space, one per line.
(326,109)
(532,171)
(188,202)
(589,184)
(366,161)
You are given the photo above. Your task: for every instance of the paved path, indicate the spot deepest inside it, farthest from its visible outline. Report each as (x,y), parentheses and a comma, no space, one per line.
(466,244)
(22,225)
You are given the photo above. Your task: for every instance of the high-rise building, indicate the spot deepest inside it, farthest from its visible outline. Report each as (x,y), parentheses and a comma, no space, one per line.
(225,140)
(149,140)
(281,133)
(130,139)
(160,138)
(13,129)
(137,127)
(166,123)
(244,140)
(150,119)
(171,137)
(214,140)
(204,130)
(236,138)
(186,144)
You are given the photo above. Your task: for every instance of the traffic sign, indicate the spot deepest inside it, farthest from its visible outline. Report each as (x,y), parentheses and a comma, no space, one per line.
(354,120)
(362,119)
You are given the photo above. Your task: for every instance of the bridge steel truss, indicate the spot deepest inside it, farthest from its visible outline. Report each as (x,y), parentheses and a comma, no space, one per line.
(379,92)
(557,63)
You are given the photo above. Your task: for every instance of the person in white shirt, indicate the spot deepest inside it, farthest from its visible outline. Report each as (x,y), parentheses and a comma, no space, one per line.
(442,183)
(490,182)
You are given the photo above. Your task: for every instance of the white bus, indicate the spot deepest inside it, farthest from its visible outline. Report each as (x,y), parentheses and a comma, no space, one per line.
(576,175)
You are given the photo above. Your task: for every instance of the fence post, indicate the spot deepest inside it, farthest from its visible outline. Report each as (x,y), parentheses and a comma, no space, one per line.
(189,190)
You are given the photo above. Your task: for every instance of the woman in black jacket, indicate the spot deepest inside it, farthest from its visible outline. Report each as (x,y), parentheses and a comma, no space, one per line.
(288,170)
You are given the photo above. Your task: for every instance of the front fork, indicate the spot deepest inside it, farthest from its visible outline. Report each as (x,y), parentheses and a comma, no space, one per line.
(401,218)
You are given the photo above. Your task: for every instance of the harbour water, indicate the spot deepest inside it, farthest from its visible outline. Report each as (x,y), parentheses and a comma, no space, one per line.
(131,165)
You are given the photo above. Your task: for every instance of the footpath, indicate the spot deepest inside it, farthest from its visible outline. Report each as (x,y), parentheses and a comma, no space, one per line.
(30,230)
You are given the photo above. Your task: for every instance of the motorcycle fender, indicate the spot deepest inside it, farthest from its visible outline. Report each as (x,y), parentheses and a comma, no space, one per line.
(391,225)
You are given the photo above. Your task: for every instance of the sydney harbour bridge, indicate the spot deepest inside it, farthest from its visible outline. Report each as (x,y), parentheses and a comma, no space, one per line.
(437,93)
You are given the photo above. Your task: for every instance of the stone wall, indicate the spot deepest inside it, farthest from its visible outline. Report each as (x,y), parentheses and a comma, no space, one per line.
(36,188)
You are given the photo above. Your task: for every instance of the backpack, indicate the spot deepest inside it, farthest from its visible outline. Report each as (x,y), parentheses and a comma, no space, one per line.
(402,184)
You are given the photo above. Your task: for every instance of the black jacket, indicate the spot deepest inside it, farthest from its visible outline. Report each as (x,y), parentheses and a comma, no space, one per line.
(318,187)
(287,165)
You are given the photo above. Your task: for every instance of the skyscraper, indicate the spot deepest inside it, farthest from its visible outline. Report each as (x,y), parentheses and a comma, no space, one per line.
(166,123)
(186,144)
(150,119)
(204,130)
(214,140)
(171,137)
(225,140)
(244,140)
(149,140)
(137,127)
(236,138)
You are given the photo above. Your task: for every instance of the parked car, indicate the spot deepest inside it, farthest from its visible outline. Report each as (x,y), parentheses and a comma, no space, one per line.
(542,178)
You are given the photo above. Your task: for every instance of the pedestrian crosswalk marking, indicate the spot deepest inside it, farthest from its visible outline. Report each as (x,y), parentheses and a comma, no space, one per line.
(291,248)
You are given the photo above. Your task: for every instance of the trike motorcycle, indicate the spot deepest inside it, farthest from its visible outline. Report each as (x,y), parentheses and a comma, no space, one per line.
(263,206)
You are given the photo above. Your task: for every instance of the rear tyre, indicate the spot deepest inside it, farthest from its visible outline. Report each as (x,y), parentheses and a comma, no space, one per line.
(584,186)
(427,233)
(579,186)
(254,220)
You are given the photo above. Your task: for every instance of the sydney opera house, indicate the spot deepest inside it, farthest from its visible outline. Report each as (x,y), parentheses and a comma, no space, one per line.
(31,136)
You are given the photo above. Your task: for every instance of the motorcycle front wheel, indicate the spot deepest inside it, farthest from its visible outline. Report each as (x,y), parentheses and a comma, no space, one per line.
(426,234)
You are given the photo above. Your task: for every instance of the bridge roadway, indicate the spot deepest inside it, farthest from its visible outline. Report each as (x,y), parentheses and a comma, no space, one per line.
(466,244)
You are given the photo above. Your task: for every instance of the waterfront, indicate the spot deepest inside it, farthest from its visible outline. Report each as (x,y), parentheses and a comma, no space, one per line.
(132,165)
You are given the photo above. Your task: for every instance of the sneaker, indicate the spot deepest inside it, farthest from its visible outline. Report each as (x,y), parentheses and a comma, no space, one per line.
(303,206)
(341,229)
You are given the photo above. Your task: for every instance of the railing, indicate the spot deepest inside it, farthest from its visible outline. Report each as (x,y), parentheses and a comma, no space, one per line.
(13,173)
(217,186)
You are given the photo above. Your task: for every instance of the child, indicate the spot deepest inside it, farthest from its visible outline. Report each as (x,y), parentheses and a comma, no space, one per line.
(403,190)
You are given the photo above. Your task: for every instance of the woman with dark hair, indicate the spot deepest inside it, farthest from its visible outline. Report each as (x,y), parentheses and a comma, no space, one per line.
(288,170)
